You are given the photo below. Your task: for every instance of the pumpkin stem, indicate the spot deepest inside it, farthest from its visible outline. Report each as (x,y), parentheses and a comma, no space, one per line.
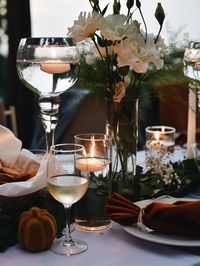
(34,212)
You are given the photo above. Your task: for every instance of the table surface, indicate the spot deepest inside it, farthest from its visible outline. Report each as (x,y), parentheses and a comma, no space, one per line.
(114,247)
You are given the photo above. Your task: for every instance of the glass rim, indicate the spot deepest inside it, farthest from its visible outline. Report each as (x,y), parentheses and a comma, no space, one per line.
(48,41)
(88,136)
(152,129)
(79,148)
(46,37)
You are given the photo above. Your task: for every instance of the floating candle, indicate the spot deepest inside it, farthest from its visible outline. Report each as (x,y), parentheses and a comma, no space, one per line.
(90,164)
(160,137)
(55,67)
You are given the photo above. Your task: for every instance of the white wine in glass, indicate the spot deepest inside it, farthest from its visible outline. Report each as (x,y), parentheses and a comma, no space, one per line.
(67,189)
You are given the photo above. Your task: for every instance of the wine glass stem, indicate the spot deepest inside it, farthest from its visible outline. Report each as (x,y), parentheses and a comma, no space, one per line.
(49,139)
(49,112)
(68,230)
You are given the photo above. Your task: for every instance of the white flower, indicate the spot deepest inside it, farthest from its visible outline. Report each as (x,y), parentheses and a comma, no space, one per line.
(85,26)
(97,53)
(138,54)
(128,54)
(161,43)
(150,53)
(114,27)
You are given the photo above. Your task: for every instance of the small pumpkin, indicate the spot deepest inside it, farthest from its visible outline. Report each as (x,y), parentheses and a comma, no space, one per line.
(36,230)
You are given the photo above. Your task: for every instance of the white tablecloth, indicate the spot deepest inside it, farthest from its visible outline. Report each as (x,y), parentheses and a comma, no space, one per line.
(115,247)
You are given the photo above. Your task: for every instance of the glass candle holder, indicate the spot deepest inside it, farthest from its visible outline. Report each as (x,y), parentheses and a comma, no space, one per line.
(89,211)
(196,152)
(159,138)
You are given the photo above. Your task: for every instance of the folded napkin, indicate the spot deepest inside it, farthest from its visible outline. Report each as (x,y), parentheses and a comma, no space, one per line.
(180,217)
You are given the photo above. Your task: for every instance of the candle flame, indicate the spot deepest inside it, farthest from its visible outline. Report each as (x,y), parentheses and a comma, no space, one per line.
(84,153)
(162,129)
(53,53)
(157,135)
(92,147)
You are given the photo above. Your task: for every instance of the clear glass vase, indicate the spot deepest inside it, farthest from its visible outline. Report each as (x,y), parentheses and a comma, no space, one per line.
(122,125)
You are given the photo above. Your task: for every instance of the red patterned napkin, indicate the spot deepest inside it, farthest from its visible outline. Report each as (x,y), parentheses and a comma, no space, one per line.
(181,217)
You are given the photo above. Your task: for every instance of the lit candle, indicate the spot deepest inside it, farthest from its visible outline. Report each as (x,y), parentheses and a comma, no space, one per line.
(55,67)
(91,164)
(159,140)
(155,143)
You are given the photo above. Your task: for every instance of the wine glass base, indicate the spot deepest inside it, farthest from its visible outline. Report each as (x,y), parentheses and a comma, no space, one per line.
(72,247)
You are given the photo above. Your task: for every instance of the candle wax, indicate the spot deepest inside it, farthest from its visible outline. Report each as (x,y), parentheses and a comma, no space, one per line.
(90,164)
(54,67)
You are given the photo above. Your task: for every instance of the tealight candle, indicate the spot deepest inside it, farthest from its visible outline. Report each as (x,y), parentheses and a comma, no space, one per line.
(55,67)
(90,164)
(158,137)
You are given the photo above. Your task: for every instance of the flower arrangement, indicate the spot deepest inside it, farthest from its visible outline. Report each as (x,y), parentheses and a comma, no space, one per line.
(127,51)
(129,54)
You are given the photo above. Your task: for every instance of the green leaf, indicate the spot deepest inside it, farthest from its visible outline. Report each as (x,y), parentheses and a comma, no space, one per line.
(104,10)
(103,42)
(123,70)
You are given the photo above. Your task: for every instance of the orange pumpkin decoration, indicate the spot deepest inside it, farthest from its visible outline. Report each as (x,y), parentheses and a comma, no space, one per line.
(36,230)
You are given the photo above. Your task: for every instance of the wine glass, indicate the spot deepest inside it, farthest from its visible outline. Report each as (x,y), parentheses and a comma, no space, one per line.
(67,184)
(49,67)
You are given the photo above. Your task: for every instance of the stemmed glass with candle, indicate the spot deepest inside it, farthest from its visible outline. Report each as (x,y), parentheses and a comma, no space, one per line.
(49,67)
(67,183)
(89,211)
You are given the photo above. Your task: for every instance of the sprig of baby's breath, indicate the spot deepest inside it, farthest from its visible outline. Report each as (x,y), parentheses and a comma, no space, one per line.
(161,166)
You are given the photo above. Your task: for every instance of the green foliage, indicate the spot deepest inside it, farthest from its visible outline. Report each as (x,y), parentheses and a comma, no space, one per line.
(148,185)
(92,76)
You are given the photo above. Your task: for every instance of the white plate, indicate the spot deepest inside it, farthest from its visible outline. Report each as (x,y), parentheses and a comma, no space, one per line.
(174,240)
